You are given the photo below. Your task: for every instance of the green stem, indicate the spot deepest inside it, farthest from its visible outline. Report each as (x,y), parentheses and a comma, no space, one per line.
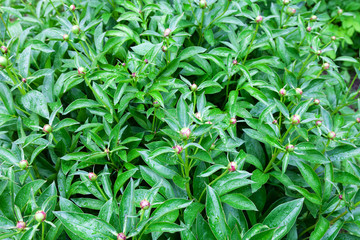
(187,173)
(352,83)
(328,23)
(287,19)
(15,81)
(227,7)
(42,231)
(252,40)
(201,26)
(212,182)
(168,50)
(76,51)
(86,52)
(343,214)
(57,12)
(281,13)
(5,25)
(153,122)
(227,86)
(194,94)
(101,191)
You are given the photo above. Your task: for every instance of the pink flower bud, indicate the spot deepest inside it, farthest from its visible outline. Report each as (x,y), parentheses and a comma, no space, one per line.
(146,61)
(164,48)
(295,119)
(75,29)
(208,122)
(333,38)
(178,149)
(123,64)
(144,204)
(198,116)
(4,49)
(193,87)
(274,122)
(318,123)
(23,164)
(325,66)
(212,147)
(107,151)
(318,52)
(232,121)
(92,176)
(313,18)
(4,62)
(81,70)
(341,197)
(298,91)
(358,120)
(20,225)
(156,104)
(286,2)
(23,80)
(282,92)
(290,148)
(72,7)
(40,216)
(47,128)
(331,135)
(133,74)
(308,29)
(259,19)
(167,32)
(290,11)
(121,236)
(316,101)
(232,166)
(235,62)
(185,133)
(340,11)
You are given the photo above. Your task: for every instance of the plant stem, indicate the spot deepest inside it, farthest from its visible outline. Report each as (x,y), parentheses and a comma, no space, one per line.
(5,25)
(252,40)
(352,83)
(212,182)
(227,7)
(187,171)
(227,87)
(57,12)
(42,231)
(101,191)
(194,94)
(153,122)
(201,26)
(343,214)
(281,13)
(15,81)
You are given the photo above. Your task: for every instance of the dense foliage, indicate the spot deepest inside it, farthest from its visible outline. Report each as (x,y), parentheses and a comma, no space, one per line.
(178,119)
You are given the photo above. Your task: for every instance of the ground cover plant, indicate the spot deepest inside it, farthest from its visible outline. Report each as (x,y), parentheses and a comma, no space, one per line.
(177,120)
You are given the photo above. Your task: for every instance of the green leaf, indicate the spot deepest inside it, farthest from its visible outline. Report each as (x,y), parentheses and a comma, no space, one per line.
(8,156)
(170,68)
(86,226)
(320,229)
(190,51)
(81,103)
(24,62)
(183,113)
(309,196)
(7,99)
(164,227)
(310,177)
(23,196)
(346,178)
(215,214)
(122,178)
(347,59)
(238,201)
(35,101)
(284,215)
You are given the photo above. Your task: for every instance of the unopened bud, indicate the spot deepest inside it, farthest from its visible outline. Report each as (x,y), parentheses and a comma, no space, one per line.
(259,19)
(318,52)
(23,80)
(144,204)
(202,4)
(298,91)
(235,62)
(313,18)
(318,123)
(208,122)
(282,92)
(20,225)
(72,7)
(40,216)
(164,48)
(92,176)
(146,61)
(167,32)
(193,87)
(286,2)
(290,11)
(274,122)
(340,11)
(4,49)
(212,147)
(290,148)
(66,37)
(316,101)
(331,135)
(178,149)
(156,104)
(4,62)
(358,120)
(308,29)
(232,121)
(121,236)
(232,166)
(333,38)
(23,164)
(47,128)
(341,197)
(295,119)
(81,70)
(75,29)
(133,74)
(185,133)
(325,66)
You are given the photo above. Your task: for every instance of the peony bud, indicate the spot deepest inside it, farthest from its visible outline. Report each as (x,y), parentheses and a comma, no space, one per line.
(92,176)
(331,135)
(23,164)
(212,147)
(47,128)
(282,92)
(208,122)
(318,123)
(259,19)
(3,62)
(298,91)
(72,7)
(318,52)
(144,204)
(121,236)
(290,148)
(164,48)
(185,133)
(341,197)
(286,2)
(333,38)
(295,119)
(193,87)
(123,64)
(313,18)
(20,225)
(198,116)
(167,32)
(4,49)
(66,37)
(290,11)
(81,70)
(308,29)
(202,4)
(232,166)
(178,149)
(75,29)
(232,121)
(235,62)
(156,104)
(107,151)
(274,122)
(146,61)
(358,120)
(340,11)
(325,66)
(23,80)
(133,74)
(316,101)
(40,216)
